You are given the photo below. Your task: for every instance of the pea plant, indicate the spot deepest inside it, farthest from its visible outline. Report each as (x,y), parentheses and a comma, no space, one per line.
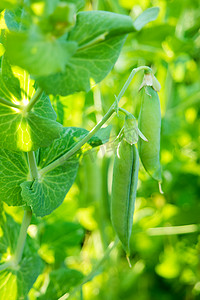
(52,48)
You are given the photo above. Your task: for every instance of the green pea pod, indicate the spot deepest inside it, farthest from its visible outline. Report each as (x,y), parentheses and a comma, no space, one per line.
(149,123)
(124,186)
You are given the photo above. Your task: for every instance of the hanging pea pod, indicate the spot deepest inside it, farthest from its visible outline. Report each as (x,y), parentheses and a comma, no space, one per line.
(124,186)
(150,124)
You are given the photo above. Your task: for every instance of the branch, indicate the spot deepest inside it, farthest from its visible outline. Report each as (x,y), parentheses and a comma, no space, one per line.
(32,165)
(8,103)
(72,151)
(22,236)
(112,110)
(93,273)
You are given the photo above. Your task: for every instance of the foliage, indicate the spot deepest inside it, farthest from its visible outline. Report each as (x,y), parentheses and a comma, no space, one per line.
(64,249)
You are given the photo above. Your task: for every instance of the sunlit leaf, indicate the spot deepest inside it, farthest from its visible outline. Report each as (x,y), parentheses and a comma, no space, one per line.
(26,130)
(16,281)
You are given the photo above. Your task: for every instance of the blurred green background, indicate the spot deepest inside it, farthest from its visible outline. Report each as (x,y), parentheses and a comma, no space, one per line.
(165,261)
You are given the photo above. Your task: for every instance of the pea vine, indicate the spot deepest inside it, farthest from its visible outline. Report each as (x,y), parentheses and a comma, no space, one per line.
(50,49)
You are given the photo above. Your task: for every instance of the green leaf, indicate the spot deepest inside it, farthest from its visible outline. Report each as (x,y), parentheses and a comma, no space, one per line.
(78,3)
(95,26)
(11,82)
(46,193)
(147,16)
(59,109)
(16,19)
(25,131)
(8,4)
(38,53)
(61,281)
(8,239)
(100,37)
(62,234)
(13,171)
(16,281)
(102,136)
(69,137)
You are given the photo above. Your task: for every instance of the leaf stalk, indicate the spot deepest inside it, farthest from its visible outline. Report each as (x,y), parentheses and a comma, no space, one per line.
(112,110)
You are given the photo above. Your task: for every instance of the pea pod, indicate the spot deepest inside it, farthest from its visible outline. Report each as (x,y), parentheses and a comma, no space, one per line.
(149,123)
(124,186)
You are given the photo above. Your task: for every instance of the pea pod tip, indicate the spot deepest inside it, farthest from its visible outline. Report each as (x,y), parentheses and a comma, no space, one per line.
(128,260)
(160,187)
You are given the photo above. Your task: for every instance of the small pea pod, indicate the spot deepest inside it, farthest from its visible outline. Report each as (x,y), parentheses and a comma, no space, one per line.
(149,123)
(124,186)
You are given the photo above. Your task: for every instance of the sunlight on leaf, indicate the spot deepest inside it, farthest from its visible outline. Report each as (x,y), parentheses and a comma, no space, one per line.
(8,285)
(24,136)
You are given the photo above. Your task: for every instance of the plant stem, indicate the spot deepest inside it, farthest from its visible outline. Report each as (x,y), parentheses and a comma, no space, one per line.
(33,100)
(173,230)
(8,103)
(134,71)
(112,109)
(22,236)
(72,151)
(32,165)
(94,272)
(5,265)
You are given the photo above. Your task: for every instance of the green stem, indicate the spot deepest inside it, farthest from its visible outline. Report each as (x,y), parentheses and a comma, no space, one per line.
(185,103)
(72,151)
(32,165)
(22,236)
(8,103)
(93,273)
(126,113)
(6,265)
(112,109)
(134,71)
(157,231)
(173,230)
(33,100)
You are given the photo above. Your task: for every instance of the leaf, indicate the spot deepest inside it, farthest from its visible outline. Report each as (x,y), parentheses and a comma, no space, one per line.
(48,192)
(16,19)
(62,234)
(94,26)
(8,239)
(61,281)
(69,137)
(59,109)
(13,171)
(25,131)
(38,53)
(9,79)
(16,281)
(147,16)
(79,3)
(102,135)
(8,4)
(100,37)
